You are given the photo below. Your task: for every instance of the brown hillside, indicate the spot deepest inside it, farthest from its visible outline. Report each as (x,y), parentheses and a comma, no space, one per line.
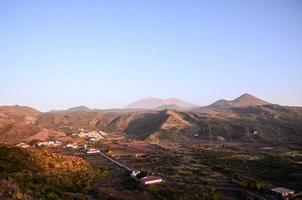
(12,114)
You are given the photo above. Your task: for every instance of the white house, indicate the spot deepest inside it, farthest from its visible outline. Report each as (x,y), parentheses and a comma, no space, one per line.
(72,145)
(148,180)
(285,193)
(23,145)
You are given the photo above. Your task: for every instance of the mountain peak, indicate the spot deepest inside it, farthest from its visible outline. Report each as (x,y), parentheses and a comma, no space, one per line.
(246,96)
(248,100)
(244,100)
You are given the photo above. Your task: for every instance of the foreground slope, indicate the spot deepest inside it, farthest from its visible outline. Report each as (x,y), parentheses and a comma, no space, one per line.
(34,174)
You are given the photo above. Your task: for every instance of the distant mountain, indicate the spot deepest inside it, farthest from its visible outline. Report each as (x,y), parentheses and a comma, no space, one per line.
(78,109)
(74,109)
(169,107)
(155,103)
(244,100)
(179,103)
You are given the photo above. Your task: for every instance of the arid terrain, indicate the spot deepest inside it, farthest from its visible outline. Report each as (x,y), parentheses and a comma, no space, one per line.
(237,149)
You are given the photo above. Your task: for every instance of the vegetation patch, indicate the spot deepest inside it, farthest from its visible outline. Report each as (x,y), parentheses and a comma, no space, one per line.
(44,175)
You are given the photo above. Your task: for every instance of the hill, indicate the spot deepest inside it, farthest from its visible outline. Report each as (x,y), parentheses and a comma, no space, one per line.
(244,100)
(267,123)
(13,114)
(17,123)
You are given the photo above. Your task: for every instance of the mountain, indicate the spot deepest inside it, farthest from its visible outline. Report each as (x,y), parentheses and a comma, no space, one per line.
(17,123)
(244,100)
(79,109)
(73,109)
(147,103)
(168,107)
(154,103)
(236,121)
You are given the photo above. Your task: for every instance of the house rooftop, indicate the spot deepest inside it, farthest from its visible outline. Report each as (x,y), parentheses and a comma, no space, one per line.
(283,190)
(151,180)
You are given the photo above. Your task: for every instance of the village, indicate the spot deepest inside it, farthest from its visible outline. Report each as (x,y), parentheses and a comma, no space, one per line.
(96,142)
(142,161)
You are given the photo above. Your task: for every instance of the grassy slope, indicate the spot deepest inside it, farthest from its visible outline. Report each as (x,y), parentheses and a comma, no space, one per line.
(43,175)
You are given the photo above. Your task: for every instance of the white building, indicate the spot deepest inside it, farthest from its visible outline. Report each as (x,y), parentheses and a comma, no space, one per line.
(50,143)
(72,145)
(91,134)
(91,151)
(285,193)
(148,180)
(23,145)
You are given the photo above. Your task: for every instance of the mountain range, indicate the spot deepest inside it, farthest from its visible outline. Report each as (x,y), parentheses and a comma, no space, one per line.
(152,103)
(232,120)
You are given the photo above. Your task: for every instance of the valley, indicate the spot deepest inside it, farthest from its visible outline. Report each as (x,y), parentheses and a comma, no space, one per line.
(240,149)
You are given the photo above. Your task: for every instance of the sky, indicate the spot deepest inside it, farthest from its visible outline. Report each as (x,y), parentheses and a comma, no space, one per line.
(56,54)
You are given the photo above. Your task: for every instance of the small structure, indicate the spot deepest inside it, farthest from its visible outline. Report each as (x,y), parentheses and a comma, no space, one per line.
(91,135)
(142,177)
(282,192)
(23,145)
(220,138)
(72,145)
(134,174)
(92,150)
(140,155)
(148,180)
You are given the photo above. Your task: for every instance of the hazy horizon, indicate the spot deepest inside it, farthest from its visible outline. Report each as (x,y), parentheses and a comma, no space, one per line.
(61,54)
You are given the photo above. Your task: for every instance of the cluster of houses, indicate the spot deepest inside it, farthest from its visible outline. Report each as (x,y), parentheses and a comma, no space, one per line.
(91,135)
(40,144)
(72,145)
(49,143)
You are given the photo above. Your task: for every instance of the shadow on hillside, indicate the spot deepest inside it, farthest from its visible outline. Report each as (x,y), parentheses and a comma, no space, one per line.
(145,125)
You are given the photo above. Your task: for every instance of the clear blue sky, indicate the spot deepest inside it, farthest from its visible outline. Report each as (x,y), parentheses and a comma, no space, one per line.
(58,53)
